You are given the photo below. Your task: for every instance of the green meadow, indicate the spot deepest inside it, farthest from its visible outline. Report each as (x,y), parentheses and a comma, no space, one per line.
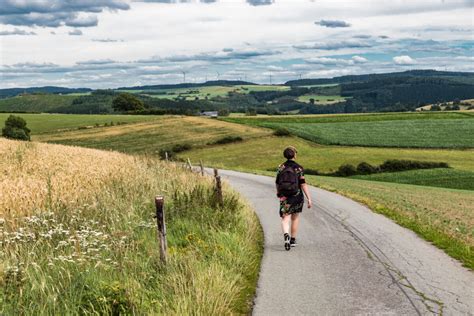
(206,92)
(321,99)
(443,178)
(49,123)
(447,130)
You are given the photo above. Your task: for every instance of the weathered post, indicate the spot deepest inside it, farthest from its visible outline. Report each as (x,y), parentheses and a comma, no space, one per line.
(216,172)
(220,198)
(202,168)
(161,225)
(166,155)
(190,166)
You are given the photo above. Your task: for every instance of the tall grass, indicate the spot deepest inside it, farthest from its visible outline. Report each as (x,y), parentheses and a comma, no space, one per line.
(78,236)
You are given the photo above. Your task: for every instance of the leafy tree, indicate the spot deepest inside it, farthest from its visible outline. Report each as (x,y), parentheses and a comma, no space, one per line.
(15,128)
(311,100)
(126,102)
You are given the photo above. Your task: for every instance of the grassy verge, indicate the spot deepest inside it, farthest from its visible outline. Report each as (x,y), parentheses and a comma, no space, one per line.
(443,178)
(441,216)
(78,237)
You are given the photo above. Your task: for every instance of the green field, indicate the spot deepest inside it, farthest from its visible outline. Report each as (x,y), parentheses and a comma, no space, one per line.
(47,123)
(421,130)
(158,132)
(349,118)
(321,99)
(36,102)
(266,154)
(443,178)
(203,92)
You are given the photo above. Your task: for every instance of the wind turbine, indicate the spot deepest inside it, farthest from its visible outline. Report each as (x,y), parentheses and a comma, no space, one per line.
(218,75)
(184,76)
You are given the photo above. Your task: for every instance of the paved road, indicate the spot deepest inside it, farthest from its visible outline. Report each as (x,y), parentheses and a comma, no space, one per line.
(350,261)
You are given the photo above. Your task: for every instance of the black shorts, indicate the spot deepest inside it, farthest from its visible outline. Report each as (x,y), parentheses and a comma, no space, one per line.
(291,205)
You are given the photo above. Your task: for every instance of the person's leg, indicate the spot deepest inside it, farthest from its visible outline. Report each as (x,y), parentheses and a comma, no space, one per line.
(285,223)
(285,226)
(295,221)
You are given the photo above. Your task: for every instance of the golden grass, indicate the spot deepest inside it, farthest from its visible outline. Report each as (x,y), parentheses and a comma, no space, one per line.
(34,176)
(77,236)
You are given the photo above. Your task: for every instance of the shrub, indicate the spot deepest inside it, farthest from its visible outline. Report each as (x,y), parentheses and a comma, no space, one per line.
(312,172)
(402,165)
(173,151)
(181,147)
(366,168)
(15,128)
(346,171)
(281,131)
(228,140)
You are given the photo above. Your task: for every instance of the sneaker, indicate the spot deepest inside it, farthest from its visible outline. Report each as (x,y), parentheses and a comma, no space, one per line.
(287,242)
(293,242)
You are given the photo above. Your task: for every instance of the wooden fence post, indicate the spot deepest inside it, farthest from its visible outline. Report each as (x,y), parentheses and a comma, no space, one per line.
(202,168)
(166,155)
(216,172)
(220,198)
(190,165)
(161,225)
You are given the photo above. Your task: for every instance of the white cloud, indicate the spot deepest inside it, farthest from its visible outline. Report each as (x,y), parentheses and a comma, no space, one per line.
(359,59)
(404,60)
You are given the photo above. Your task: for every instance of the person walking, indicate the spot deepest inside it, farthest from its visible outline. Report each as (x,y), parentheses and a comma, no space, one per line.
(290,185)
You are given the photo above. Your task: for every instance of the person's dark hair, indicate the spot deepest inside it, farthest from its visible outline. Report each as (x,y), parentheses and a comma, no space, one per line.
(289,152)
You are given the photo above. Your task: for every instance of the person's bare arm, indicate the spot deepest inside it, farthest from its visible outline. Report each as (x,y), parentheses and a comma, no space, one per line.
(304,187)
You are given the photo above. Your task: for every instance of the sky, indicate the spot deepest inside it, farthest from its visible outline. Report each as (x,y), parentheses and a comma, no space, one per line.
(118,43)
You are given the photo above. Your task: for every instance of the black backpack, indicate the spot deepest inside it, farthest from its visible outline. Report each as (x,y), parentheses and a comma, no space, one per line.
(287,183)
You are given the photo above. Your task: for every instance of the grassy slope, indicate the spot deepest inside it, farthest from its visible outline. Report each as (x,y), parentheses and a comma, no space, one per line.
(321,99)
(150,137)
(443,178)
(265,154)
(50,123)
(210,92)
(36,102)
(79,237)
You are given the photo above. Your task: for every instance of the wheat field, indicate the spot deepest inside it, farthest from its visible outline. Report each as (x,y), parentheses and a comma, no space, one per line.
(78,236)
